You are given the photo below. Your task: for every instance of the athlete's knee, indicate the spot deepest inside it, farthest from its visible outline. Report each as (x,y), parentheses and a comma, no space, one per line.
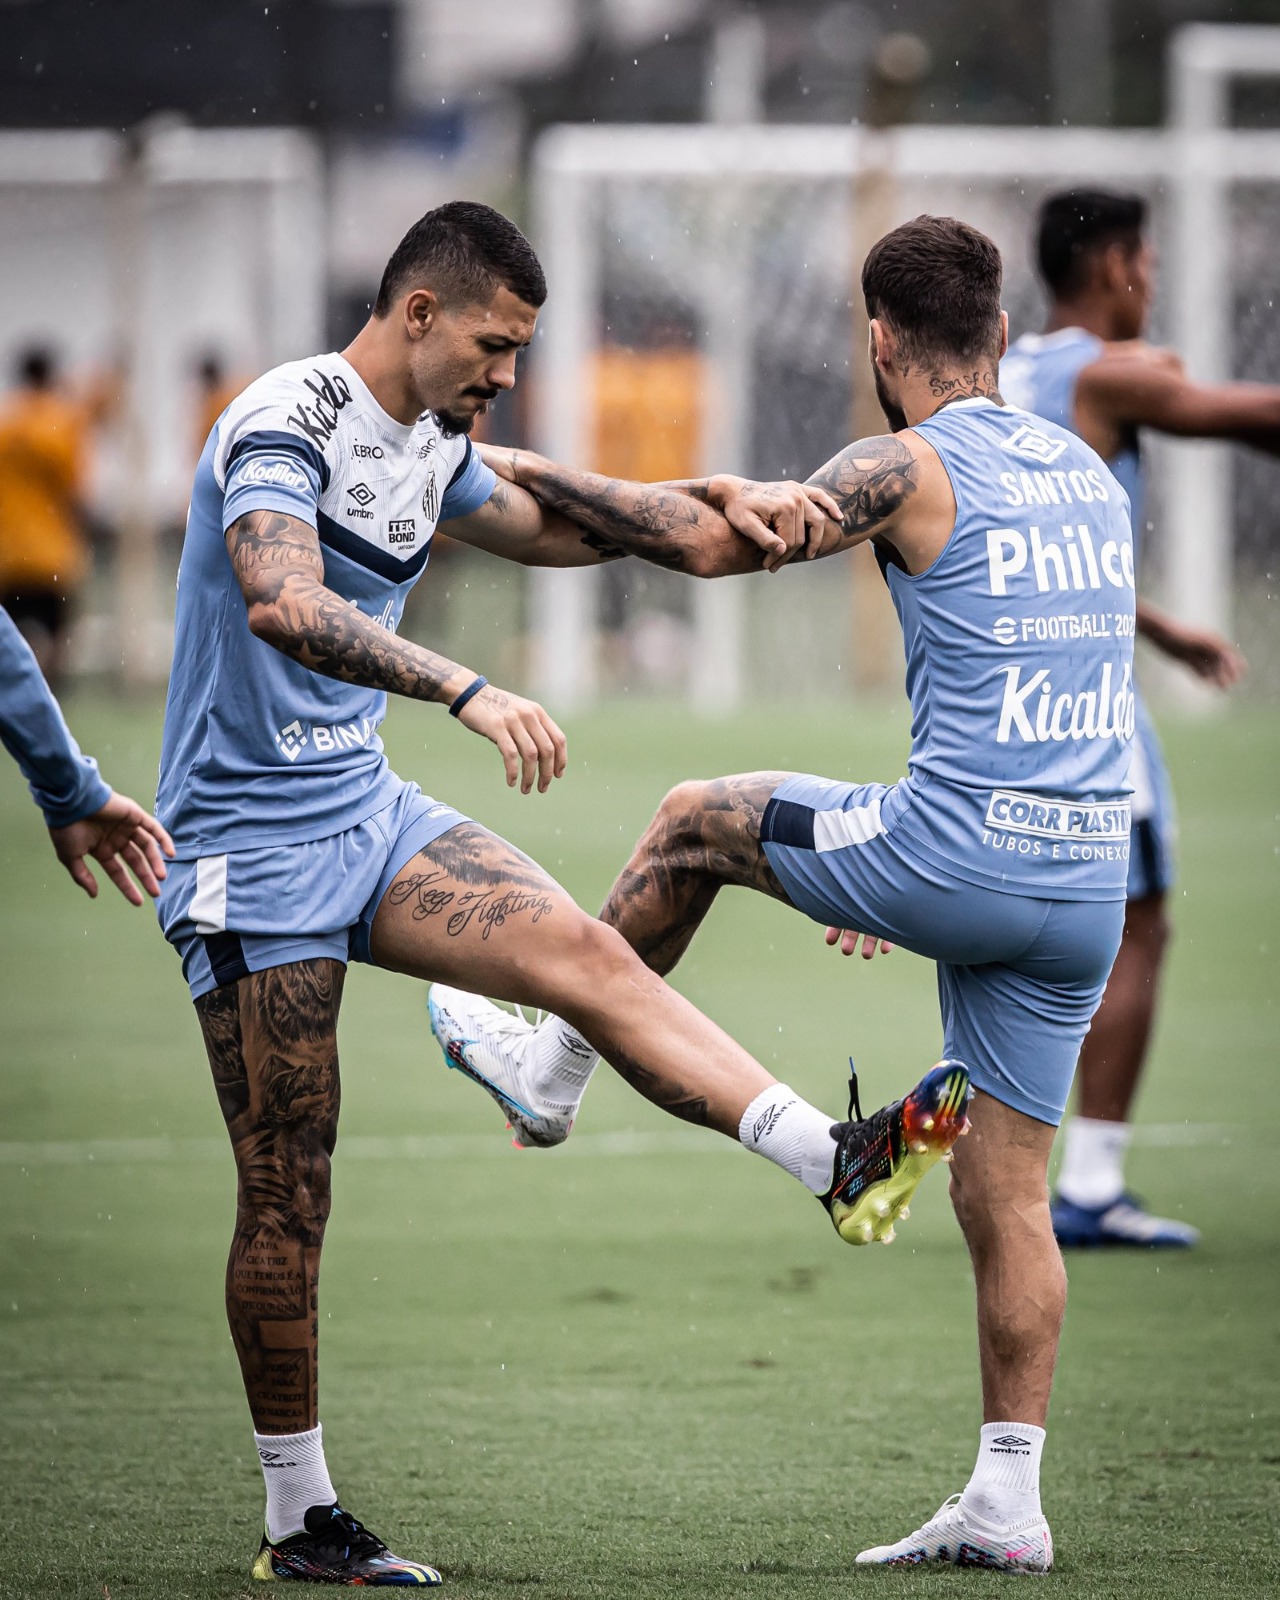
(590,960)
(678,823)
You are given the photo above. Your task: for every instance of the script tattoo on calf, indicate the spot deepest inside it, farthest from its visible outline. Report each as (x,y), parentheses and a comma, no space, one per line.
(705,835)
(869,481)
(272,1045)
(475,881)
(280,569)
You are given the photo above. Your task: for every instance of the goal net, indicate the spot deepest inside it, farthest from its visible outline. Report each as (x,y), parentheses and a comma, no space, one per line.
(705,316)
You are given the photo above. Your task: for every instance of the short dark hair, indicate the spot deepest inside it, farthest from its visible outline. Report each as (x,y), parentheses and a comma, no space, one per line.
(464,251)
(36,366)
(936,282)
(1075,224)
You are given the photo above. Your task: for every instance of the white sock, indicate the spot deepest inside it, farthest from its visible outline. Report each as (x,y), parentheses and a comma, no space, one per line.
(1005,1486)
(563,1062)
(1092,1170)
(296,1477)
(794,1135)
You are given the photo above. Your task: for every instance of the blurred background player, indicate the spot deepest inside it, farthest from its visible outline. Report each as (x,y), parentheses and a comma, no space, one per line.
(1091,371)
(44,549)
(84,815)
(1001,857)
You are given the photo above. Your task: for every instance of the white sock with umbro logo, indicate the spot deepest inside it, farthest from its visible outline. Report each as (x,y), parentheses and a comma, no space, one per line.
(791,1133)
(297,1478)
(1005,1486)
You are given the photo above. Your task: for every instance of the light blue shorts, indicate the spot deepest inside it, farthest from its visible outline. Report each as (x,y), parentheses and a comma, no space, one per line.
(1018,978)
(1155,824)
(228,915)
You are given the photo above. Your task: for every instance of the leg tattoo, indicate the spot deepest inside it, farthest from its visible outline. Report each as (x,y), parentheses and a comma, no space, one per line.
(705,834)
(272,1045)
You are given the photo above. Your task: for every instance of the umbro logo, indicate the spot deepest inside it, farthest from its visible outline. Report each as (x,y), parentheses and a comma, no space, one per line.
(1030,442)
(292,741)
(1012,1439)
(363,495)
(767,1121)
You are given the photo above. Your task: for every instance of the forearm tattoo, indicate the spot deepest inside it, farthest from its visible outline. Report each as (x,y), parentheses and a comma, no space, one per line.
(278,563)
(869,481)
(662,523)
(272,1045)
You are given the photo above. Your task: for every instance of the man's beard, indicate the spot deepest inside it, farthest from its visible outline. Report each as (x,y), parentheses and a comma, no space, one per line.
(453,423)
(894,414)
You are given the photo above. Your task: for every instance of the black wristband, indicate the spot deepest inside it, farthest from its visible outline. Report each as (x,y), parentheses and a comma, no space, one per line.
(472,689)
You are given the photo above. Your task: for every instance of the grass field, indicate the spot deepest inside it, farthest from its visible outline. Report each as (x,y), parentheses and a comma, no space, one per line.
(642,1366)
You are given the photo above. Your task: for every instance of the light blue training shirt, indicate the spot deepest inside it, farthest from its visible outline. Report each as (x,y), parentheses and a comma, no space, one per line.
(257,749)
(1019,646)
(64,783)
(1039,372)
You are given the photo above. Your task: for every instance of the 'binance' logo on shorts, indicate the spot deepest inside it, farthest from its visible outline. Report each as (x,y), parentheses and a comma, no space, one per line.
(292,741)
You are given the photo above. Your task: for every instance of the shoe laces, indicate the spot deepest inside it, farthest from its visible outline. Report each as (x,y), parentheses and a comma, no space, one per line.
(345,1533)
(855,1107)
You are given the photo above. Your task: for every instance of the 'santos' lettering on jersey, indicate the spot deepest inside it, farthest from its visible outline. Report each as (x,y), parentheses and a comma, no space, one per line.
(256,747)
(1019,642)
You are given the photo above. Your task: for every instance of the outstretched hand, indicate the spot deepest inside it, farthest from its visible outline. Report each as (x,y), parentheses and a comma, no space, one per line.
(779,517)
(531,746)
(847,939)
(1208,655)
(123,838)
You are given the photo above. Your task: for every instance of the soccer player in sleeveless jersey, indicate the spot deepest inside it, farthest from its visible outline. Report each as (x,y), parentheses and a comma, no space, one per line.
(313,513)
(1091,371)
(1003,853)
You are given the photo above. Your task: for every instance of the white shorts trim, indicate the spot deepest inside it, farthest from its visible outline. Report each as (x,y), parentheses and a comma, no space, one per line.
(833,830)
(208,908)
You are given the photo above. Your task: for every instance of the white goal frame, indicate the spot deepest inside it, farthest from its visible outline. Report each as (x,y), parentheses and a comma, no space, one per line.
(1196,159)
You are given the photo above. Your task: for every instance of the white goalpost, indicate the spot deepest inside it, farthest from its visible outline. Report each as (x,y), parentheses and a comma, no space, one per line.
(754,231)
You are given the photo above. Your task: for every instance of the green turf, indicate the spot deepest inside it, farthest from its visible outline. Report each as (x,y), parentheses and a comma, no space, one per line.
(582,1374)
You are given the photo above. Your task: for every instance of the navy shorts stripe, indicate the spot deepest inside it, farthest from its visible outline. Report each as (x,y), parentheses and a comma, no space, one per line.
(226,958)
(789,823)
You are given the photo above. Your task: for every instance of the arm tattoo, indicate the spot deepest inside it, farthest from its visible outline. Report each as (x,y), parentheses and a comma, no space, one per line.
(662,523)
(870,481)
(280,570)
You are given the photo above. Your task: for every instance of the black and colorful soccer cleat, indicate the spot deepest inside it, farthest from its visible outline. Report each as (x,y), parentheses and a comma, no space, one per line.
(335,1548)
(881,1159)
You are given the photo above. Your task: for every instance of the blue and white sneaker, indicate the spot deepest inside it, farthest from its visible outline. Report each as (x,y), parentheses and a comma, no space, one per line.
(492,1047)
(1123,1222)
(955,1537)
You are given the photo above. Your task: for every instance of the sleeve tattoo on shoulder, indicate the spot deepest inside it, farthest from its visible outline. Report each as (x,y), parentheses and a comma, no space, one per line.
(280,569)
(869,481)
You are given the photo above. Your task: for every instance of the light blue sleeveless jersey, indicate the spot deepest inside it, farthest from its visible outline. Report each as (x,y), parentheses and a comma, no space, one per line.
(1019,645)
(258,750)
(1039,373)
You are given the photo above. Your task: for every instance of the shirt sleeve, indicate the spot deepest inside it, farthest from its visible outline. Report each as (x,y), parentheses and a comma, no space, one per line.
(64,783)
(471,485)
(267,470)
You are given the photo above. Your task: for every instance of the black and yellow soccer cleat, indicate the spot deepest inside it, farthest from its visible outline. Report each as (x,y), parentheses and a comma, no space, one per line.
(881,1159)
(335,1548)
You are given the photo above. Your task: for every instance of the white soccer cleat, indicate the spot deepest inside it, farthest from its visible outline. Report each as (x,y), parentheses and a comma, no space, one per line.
(493,1048)
(960,1539)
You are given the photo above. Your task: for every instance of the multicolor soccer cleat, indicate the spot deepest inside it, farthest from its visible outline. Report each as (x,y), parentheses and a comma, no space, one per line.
(335,1548)
(1124,1222)
(881,1159)
(956,1537)
(491,1047)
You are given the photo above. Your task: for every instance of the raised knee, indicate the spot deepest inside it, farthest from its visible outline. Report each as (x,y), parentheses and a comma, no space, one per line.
(679,813)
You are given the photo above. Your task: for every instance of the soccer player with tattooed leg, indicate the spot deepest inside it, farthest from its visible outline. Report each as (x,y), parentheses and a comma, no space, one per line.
(1092,372)
(312,515)
(1002,855)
